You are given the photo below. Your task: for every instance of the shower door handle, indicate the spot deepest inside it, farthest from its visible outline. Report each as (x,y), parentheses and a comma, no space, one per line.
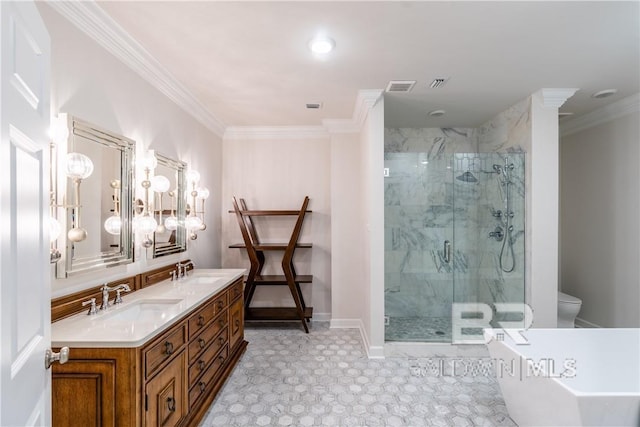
(447,251)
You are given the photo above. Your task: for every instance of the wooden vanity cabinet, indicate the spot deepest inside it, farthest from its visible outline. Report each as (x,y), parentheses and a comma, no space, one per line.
(169,381)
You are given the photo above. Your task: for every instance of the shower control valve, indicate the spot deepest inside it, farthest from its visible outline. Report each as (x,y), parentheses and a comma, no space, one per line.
(497,234)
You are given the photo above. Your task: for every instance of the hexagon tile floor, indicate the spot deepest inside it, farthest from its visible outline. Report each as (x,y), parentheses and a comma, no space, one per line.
(324,378)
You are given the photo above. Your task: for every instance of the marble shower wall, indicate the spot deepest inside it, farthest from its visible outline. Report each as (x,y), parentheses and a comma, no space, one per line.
(425,205)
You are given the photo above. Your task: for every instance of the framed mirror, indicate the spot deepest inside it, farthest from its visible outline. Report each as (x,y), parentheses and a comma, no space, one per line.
(169,208)
(96,182)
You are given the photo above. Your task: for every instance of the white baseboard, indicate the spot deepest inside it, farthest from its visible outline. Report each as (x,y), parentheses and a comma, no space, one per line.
(581,323)
(373,352)
(321,317)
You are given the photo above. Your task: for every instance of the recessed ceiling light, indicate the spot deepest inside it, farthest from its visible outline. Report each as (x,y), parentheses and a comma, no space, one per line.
(321,45)
(436,113)
(604,93)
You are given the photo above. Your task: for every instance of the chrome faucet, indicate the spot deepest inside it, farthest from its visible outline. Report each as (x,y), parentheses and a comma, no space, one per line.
(181,270)
(184,267)
(105,289)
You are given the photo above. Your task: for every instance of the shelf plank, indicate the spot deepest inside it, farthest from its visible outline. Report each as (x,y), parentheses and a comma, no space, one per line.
(271,246)
(276,313)
(280,279)
(270,212)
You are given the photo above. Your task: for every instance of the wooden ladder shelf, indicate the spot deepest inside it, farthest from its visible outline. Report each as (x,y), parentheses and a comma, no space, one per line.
(255,250)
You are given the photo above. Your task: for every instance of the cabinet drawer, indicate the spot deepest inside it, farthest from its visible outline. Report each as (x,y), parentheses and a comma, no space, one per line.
(209,376)
(198,344)
(220,303)
(202,362)
(200,319)
(235,291)
(169,344)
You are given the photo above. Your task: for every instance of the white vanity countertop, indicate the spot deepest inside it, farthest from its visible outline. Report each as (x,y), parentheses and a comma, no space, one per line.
(143,314)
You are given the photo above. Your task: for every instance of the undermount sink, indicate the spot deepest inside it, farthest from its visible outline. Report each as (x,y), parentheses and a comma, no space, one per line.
(145,310)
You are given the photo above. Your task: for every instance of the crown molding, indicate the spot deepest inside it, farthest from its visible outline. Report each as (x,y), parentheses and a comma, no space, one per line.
(366,99)
(556,97)
(275,132)
(628,105)
(92,20)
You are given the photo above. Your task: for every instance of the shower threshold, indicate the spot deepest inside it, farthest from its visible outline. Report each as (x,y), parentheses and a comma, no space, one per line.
(418,329)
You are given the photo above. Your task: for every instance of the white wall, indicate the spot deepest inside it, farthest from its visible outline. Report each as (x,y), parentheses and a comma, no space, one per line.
(600,213)
(350,290)
(277,173)
(90,83)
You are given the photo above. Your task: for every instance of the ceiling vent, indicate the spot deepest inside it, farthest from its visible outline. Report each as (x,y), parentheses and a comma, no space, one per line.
(314,105)
(439,82)
(400,85)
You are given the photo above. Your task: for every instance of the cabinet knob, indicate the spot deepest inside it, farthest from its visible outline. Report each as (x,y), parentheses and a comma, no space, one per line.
(237,323)
(221,340)
(171,404)
(168,348)
(202,385)
(221,359)
(221,322)
(201,320)
(220,304)
(201,364)
(202,342)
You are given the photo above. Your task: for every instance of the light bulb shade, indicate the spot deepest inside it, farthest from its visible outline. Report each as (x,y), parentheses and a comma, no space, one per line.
(79,166)
(54,229)
(193,222)
(160,184)
(113,225)
(192,176)
(171,223)
(145,224)
(149,161)
(203,193)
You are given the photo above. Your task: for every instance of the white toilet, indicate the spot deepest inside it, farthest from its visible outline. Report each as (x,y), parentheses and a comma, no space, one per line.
(568,309)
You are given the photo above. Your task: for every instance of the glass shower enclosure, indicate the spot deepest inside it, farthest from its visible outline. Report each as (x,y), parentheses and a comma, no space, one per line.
(454,234)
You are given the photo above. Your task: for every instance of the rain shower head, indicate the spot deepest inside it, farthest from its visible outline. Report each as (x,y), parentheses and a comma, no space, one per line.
(467,177)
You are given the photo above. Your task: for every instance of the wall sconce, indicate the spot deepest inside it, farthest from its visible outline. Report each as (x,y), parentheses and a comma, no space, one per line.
(113,224)
(78,167)
(193,222)
(145,223)
(171,222)
(54,225)
(160,184)
(203,194)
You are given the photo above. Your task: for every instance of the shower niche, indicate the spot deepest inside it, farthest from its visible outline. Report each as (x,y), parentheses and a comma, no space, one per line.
(454,233)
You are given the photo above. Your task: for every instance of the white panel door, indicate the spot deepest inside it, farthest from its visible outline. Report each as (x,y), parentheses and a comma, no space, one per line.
(25,384)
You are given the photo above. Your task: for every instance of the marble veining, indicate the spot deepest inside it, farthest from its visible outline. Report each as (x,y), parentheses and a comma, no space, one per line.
(442,185)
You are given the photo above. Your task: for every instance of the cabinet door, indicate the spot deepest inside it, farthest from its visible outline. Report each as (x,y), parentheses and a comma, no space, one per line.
(236,323)
(166,394)
(96,387)
(84,394)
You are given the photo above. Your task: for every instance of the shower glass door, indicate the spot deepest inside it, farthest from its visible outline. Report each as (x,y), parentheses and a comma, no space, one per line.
(454,233)
(488,232)
(418,220)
